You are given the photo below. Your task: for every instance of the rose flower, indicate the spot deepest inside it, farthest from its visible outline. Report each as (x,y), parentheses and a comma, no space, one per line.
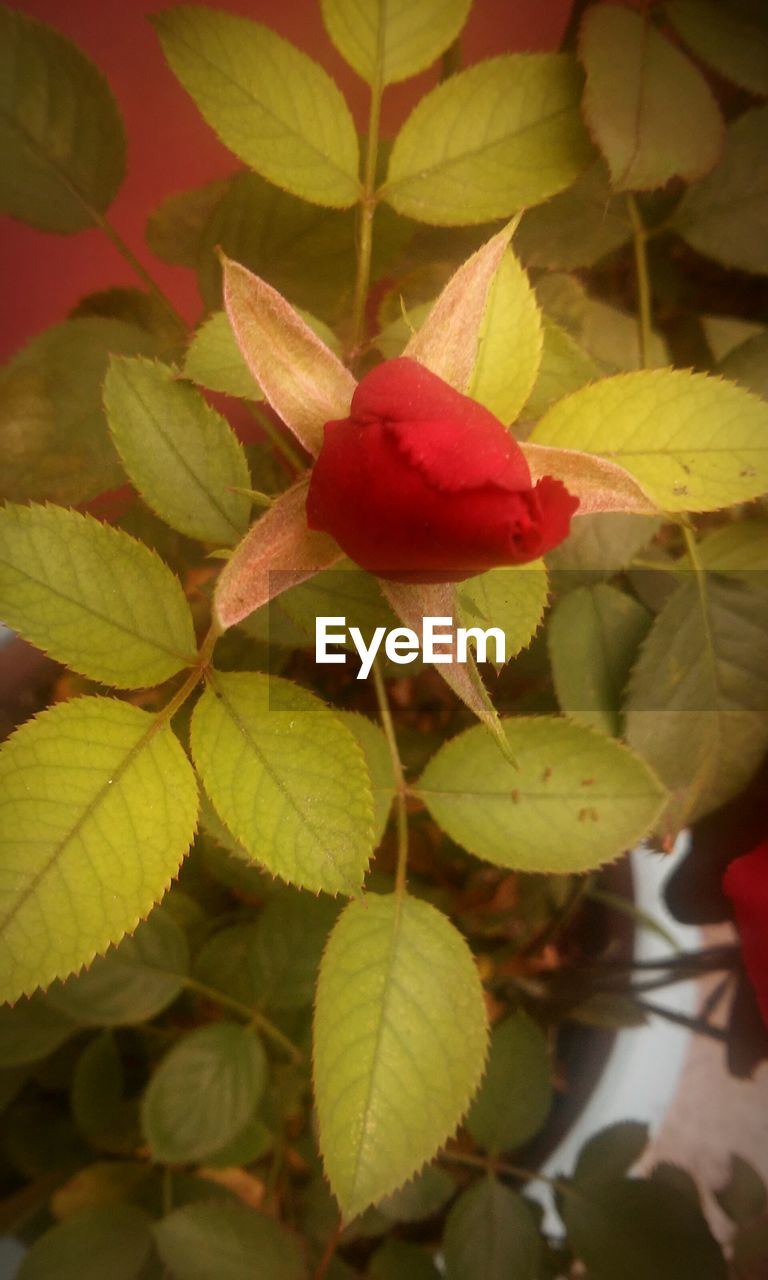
(746,883)
(423,484)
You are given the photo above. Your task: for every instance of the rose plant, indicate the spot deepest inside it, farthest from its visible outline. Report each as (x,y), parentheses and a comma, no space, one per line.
(291,961)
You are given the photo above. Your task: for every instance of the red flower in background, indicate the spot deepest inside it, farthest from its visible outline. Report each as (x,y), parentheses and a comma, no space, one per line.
(423,484)
(746,884)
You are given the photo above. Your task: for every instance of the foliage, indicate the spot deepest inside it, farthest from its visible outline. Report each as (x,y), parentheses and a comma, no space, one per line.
(256,915)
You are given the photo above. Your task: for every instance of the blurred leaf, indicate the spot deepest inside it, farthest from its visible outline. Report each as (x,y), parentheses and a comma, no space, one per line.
(577,227)
(724,38)
(611,1010)
(39,1139)
(610,1153)
(92,596)
(224,963)
(641,1231)
(385,41)
(97,1186)
(31,1030)
(204,1092)
(694,442)
(183,456)
(491,1235)
(62,146)
(748,364)
(376,751)
(131,983)
(249,1145)
(53,433)
(697,702)
(97,1097)
(501,135)
(277,109)
(399,1044)
(422,1197)
(286,945)
(135,307)
(593,636)
(509,343)
(744,1196)
(565,366)
(513,598)
(636,83)
(575,801)
(113,1240)
(288,779)
(214,1241)
(739,548)
(516,1092)
(599,546)
(73,883)
(398,1260)
(725,217)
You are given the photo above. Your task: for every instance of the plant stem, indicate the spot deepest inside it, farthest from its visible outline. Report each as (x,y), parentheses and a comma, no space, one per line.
(113,235)
(640,237)
(490,1165)
(278,440)
(387,725)
(682,1020)
(258,1019)
(330,1250)
(368,201)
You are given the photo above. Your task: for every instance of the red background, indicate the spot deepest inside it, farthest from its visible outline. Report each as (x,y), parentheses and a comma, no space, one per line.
(170,147)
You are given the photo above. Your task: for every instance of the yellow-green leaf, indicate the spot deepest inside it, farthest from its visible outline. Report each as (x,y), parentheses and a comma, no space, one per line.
(694,442)
(575,801)
(214,360)
(647,106)
(390,40)
(62,146)
(99,806)
(287,778)
(488,141)
(512,598)
(400,1039)
(277,109)
(509,343)
(183,457)
(92,596)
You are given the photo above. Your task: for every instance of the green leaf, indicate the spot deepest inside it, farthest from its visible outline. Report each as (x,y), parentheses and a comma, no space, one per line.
(134,981)
(509,343)
(516,1092)
(286,945)
(306,384)
(575,801)
(565,366)
(101,806)
(640,1231)
(725,39)
(740,548)
(577,227)
(725,217)
(175,228)
(97,1097)
(748,364)
(111,1240)
(214,361)
(490,140)
(422,1197)
(398,1260)
(610,1153)
(390,40)
(31,1030)
(251,1144)
(183,457)
(697,701)
(377,756)
(512,598)
(694,442)
(62,146)
(594,634)
(213,1241)
(224,962)
(491,1235)
(287,778)
(277,109)
(399,1044)
(344,590)
(100,1184)
(204,1092)
(53,433)
(93,597)
(600,545)
(636,82)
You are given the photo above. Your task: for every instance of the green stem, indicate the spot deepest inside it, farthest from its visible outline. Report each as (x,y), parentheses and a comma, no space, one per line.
(388,726)
(113,235)
(490,1165)
(278,440)
(368,201)
(640,238)
(244,1011)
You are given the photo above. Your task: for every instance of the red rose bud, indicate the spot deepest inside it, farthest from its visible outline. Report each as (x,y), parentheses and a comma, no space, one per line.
(422,484)
(746,883)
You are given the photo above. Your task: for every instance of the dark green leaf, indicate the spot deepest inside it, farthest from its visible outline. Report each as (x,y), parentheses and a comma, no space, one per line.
(516,1092)
(97,1097)
(727,40)
(286,945)
(611,1152)
(491,1235)
(422,1197)
(576,227)
(112,1241)
(228,1240)
(31,1030)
